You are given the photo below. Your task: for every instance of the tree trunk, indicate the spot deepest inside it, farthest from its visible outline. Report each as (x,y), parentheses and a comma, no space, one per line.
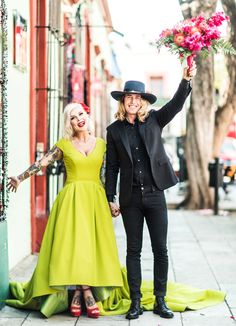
(200,126)
(200,119)
(225,113)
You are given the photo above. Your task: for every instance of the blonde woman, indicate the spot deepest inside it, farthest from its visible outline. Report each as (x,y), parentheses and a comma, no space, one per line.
(78,247)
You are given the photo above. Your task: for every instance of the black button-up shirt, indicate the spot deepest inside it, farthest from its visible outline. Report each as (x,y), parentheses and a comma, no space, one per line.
(142,175)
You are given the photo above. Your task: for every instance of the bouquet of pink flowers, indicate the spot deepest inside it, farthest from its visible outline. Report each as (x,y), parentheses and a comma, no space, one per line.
(194,35)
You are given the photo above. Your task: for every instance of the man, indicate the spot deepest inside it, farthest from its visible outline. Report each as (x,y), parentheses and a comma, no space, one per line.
(135,149)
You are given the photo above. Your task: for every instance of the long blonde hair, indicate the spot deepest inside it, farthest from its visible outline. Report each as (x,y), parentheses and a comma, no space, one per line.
(142,113)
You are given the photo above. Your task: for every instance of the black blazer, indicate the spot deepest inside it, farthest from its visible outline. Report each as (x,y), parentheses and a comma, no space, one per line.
(118,155)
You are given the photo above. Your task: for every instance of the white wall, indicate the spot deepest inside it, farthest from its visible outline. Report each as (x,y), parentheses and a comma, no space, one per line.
(19,228)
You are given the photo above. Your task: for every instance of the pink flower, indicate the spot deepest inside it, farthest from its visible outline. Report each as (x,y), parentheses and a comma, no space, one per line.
(217,19)
(167,32)
(194,30)
(179,38)
(203,25)
(193,43)
(212,33)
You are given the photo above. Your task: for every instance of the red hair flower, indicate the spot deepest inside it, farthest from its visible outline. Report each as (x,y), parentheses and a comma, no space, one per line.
(84,106)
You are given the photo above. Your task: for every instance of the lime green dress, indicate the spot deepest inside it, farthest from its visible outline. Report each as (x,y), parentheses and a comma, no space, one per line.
(79,247)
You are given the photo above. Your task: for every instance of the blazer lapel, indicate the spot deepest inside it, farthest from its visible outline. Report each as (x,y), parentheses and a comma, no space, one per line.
(124,138)
(141,127)
(142,132)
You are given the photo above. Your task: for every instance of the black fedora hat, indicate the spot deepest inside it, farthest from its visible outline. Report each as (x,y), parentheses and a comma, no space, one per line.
(135,87)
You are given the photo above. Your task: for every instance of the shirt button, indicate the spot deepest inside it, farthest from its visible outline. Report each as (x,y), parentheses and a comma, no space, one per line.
(138,160)
(140,171)
(136,148)
(142,188)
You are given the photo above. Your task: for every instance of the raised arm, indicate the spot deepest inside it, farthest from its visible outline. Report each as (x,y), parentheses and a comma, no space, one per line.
(170,109)
(50,157)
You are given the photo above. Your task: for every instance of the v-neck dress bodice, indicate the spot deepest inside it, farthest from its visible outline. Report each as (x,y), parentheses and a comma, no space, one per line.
(81,167)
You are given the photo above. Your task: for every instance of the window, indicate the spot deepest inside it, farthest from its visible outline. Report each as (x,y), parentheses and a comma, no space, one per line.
(156,85)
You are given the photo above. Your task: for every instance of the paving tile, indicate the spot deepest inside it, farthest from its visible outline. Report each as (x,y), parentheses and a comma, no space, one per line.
(229,288)
(13,312)
(24,270)
(11,321)
(217,310)
(149,319)
(233,313)
(203,320)
(36,319)
(104,321)
(231,300)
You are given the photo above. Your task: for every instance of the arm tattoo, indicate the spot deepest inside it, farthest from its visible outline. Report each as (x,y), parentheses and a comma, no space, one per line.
(33,169)
(54,154)
(50,157)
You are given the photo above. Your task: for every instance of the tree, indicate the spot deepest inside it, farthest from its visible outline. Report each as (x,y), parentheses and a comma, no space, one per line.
(226,112)
(200,118)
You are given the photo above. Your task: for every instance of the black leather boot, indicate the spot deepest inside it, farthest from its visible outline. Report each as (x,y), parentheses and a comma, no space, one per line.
(161,309)
(135,310)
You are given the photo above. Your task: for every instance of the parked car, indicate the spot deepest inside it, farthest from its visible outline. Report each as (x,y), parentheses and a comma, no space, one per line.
(228,157)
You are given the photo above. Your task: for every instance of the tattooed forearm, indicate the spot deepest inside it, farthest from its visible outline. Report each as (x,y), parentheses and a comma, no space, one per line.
(33,169)
(50,157)
(55,154)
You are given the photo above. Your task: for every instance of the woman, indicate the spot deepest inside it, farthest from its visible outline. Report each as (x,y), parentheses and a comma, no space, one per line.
(78,247)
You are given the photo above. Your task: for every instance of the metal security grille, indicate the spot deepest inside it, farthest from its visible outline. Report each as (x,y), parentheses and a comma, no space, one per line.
(55,50)
(3,111)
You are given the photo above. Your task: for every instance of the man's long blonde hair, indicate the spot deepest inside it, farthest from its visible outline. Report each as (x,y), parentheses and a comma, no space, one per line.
(142,114)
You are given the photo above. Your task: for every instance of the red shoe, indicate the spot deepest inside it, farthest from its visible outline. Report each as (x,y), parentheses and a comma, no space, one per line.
(75,311)
(92,312)
(75,308)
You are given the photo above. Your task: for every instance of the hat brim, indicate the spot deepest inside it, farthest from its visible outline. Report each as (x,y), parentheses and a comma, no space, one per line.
(118,95)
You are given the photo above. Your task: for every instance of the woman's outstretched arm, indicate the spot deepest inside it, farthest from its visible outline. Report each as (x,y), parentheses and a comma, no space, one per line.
(50,157)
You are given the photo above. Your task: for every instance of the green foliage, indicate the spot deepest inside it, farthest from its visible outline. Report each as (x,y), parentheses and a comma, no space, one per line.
(222,45)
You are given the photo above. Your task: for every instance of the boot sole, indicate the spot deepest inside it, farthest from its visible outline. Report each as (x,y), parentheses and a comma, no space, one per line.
(162,315)
(136,317)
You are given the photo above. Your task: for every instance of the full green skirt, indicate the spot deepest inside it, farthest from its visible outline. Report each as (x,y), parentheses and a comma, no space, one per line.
(179,297)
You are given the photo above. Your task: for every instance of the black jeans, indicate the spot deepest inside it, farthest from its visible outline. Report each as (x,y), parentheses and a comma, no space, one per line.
(150,205)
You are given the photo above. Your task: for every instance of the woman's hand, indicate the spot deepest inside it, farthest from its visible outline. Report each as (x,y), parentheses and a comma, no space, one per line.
(13,183)
(115,209)
(189,73)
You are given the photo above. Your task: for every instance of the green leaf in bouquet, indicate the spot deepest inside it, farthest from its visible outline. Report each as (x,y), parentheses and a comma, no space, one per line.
(225,46)
(204,53)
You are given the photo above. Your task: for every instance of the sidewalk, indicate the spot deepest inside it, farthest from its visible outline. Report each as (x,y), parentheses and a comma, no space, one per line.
(202,252)
(227,202)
